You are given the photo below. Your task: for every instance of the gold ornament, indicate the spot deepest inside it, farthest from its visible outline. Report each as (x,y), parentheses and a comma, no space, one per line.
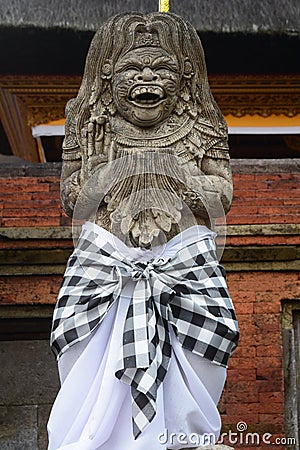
(164,5)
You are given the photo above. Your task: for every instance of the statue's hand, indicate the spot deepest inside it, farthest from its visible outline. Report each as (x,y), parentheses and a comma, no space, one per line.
(97,145)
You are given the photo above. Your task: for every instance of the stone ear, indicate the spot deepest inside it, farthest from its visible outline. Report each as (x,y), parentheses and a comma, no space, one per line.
(188,71)
(106,71)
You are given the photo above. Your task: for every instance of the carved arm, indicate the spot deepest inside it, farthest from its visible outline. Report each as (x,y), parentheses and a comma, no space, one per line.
(69,182)
(80,163)
(218,172)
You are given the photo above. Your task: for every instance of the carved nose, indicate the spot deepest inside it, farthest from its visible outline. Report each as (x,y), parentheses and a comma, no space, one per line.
(147,75)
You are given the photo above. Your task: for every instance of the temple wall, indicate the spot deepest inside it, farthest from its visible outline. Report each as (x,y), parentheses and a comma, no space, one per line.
(262,262)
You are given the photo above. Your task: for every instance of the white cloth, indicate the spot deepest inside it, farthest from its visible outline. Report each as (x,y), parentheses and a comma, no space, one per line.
(93,408)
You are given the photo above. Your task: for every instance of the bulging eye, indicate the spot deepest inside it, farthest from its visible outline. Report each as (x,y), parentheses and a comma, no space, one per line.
(162,68)
(127,68)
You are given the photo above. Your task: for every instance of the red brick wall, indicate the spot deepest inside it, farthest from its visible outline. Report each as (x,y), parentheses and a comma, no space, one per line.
(265,198)
(258,198)
(30,201)
(254,389)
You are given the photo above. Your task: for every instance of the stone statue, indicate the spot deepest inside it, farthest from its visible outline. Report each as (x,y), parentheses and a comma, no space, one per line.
(144,324)
(145,89)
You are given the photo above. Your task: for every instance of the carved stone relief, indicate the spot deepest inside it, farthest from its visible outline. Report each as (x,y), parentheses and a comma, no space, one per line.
(145,101)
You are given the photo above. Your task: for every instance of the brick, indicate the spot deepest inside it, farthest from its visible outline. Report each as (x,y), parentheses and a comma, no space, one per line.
(234,418)
(267,306)
(262,219)
(249,352)
(267,322)
(243,219)
(18,196)
(244,308)
(276,297)
(264,373)
(267,338)
(243,210)
(241,397)
(233,385)
(243,176)
(252,408)
(65,221)
(12,188)
(289,184)
(20,181)
(31,212)
(280,193)
(277,176)
(240,363)
(260,282)
(241,241)
(32,203)
(279,210)
(28,290)
(55,187)
(245,340)
(246,328)
(274,419)
(244,193)
(271,397)
(238,375)
(268,361)
(238,201)
(240,296)
(269,408)
(270,350)
(244,184)
(270,386)
(246,319)
(31,222)
(45,195)
(36,243)
(49,179)
(291,201)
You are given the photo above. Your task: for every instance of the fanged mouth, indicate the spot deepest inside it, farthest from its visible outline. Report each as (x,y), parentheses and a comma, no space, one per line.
(146,96)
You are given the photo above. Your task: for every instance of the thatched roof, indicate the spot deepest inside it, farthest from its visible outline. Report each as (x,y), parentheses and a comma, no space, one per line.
(238,36)
(242,16)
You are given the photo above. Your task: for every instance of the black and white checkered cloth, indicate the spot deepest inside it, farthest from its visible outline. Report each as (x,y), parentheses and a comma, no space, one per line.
(187,291)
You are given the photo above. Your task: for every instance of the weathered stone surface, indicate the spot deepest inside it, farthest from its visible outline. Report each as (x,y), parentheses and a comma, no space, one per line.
(265,165)
(28,373)
(145,155)
(245,166)
(18,427)
(11,160)
(28,386)
(43,415)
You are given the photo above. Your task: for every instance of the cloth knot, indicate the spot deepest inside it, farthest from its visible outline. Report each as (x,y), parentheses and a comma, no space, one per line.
(143,270)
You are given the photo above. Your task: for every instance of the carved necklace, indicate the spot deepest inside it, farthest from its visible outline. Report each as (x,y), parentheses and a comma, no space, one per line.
(162,135)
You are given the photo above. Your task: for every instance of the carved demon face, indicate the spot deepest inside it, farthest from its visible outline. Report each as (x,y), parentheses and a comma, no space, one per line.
(146,85)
